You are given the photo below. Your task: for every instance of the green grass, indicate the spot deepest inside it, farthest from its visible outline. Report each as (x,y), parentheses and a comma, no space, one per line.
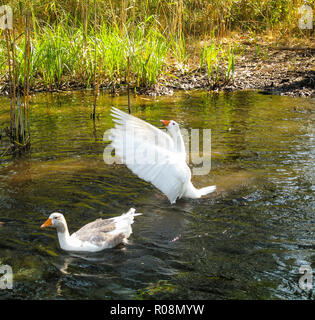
(219,63)
(179,52)
(147,52)
(61,53)
(230,68)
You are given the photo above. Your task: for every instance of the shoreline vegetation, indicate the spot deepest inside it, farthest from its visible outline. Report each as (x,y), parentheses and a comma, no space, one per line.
(155,47)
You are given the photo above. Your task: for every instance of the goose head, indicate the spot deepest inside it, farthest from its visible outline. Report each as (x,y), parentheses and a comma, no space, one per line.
(172,126)
(56,220)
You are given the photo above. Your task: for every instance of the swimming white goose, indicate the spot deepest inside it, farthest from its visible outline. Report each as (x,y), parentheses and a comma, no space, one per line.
(154,155)
(95,236)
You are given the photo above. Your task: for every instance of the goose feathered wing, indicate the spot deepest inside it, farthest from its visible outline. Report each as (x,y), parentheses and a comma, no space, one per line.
(99,225)
(98,232)
(149,153)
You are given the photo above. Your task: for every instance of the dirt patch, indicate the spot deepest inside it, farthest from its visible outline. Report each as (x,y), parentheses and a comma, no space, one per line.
(283,71)
(280,71)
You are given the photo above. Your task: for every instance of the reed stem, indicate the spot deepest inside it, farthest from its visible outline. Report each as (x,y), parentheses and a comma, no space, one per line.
(128,83)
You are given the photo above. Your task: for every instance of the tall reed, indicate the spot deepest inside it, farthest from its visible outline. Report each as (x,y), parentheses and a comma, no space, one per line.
(18,131)
(192,17)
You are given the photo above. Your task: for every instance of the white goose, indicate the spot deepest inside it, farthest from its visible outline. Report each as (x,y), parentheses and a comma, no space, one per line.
(154,155)
(95,236)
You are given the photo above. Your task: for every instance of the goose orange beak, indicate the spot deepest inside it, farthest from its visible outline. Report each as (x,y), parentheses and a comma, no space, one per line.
(165,122)
(47,223)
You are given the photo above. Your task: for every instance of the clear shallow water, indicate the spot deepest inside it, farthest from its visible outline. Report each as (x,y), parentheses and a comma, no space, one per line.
(246,241)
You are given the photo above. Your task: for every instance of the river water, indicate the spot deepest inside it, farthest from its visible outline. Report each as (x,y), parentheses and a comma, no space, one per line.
(247,240)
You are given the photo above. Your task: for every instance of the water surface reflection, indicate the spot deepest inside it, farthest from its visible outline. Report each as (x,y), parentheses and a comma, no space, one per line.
(246,241)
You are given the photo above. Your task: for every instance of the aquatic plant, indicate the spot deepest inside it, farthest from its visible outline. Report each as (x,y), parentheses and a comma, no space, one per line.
(18,131)
(148,52)
(210,59)
(219,63)
(179,52)
(230,68)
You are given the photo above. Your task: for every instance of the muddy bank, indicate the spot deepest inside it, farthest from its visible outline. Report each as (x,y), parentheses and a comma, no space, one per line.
(283,71)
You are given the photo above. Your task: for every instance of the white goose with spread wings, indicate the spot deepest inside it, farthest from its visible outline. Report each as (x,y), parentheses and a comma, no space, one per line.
(155,156)
(95,236)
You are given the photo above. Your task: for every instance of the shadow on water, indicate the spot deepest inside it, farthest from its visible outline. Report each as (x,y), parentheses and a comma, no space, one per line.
(245,241)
